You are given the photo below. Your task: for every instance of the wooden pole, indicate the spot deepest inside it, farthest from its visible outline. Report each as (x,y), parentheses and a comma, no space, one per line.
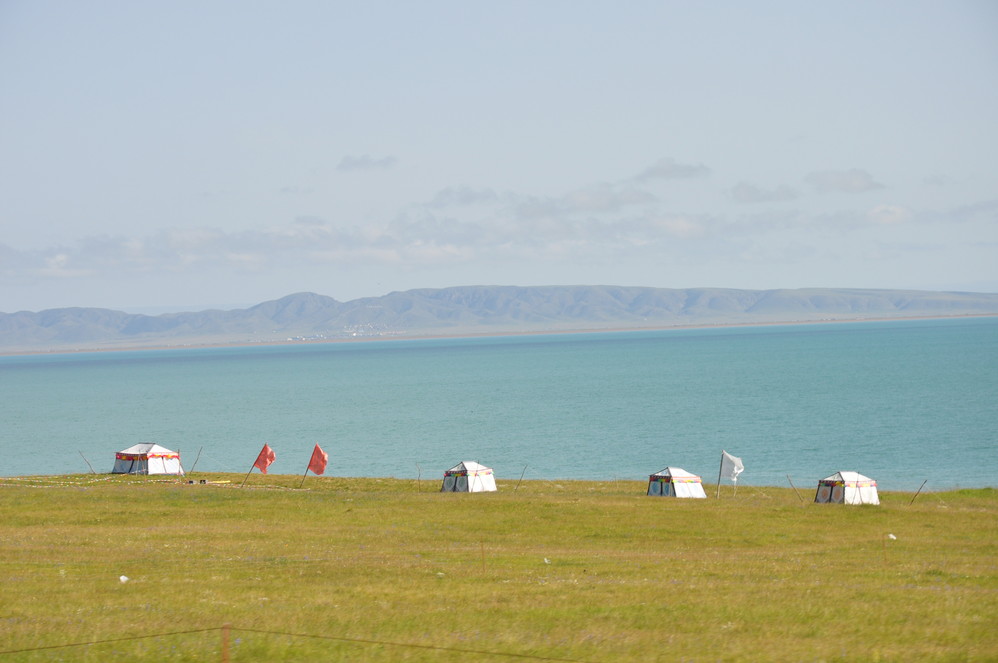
(88,463)
(720,467)
(303,478)
(521,478)
(181,464)
(917,492)
(795,489)
(196,460)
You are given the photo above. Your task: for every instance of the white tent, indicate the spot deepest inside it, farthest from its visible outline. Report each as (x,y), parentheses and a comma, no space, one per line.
(675,482)
(147,458)
(847,488)
(468,477)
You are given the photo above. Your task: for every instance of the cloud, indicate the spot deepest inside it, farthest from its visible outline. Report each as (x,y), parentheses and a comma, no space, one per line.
(613,222)
(60,265)
(743,192)
(888,214)
(597,199)
(604,198)
(669,169)
(365,162)
(295,190)
(462,196)
(422,229)
(683,227)
(13,261)
(843,181)
(459,224)
(764,223)
(984,211)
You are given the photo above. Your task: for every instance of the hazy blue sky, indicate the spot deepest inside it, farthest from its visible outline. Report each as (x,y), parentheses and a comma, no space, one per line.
(192,154)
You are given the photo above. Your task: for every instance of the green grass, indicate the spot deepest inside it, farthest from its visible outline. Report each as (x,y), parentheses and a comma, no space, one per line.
(388,570)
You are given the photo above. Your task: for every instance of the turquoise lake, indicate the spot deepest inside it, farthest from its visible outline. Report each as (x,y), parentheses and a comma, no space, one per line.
(900,401)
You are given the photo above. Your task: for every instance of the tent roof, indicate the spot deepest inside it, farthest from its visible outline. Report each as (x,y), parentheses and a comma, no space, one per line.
(676,472)
(847,476)
(146,448)
(468,466)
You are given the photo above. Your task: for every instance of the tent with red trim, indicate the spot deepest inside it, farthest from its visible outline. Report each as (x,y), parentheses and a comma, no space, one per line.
(469,477)
(847,488)
(147,458)
(675,482)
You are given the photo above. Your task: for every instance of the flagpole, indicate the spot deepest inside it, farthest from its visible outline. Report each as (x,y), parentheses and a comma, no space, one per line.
(306,468)
(247,474)
(720,467)
(263,461)
(317,463)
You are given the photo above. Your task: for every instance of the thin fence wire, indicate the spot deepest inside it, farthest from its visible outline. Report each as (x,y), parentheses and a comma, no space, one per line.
(90,643)
(334,638)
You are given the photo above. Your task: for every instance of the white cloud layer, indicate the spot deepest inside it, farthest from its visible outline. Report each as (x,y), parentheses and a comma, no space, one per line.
(853,180)
(609,221)
(744,192)
(888,214)
(365,162)
(669,169)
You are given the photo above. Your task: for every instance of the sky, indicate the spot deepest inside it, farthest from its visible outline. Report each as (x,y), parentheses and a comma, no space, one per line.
(185,155)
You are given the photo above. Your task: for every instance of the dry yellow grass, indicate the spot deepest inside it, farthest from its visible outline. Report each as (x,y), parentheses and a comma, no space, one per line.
(388,570)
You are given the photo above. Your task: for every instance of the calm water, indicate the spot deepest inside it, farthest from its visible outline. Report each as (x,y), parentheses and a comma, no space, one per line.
(899,401)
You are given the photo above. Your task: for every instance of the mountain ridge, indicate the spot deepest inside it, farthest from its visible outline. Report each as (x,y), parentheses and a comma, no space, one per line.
(473,310)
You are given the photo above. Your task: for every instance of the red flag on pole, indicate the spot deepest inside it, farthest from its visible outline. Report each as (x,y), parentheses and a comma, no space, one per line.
(318,461)
(265,458)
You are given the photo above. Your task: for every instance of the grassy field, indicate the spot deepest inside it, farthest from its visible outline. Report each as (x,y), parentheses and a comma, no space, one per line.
(392,570)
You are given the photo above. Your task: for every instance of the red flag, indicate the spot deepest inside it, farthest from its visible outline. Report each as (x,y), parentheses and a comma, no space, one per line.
(265,458)
(319,459)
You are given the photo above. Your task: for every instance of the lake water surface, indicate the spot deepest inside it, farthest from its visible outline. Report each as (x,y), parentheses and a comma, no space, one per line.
(900,401)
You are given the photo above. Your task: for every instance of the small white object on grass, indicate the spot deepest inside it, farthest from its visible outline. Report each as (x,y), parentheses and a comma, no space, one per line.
(123,579)
(547,561)
(892,537)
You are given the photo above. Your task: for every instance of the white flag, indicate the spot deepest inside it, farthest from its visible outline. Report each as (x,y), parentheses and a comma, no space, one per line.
(731,466)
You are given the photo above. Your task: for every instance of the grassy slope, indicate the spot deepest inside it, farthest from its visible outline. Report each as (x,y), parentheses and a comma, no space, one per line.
(589,571)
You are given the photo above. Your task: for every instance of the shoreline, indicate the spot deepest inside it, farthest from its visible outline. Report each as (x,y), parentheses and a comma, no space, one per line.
(232,479)
(484,334)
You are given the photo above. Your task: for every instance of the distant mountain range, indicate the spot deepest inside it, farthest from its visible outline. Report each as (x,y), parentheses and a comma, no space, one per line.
(472,310)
